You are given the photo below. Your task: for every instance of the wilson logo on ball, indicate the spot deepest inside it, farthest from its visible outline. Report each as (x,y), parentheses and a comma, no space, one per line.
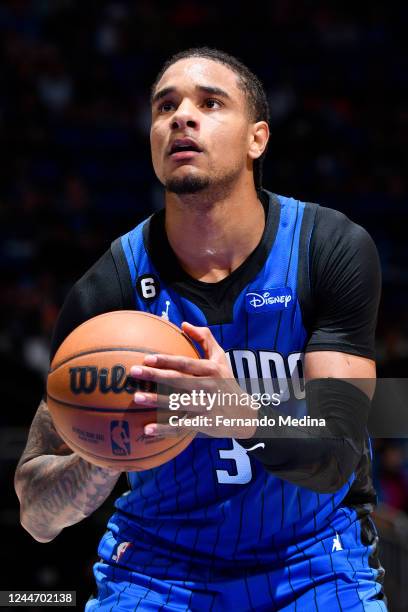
(86,379)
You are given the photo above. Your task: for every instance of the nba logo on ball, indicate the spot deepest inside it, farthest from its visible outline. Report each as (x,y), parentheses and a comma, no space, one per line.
(120,438)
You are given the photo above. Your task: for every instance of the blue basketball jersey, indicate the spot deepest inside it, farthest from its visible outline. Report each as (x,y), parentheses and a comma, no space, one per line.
(212,530)
(214,510)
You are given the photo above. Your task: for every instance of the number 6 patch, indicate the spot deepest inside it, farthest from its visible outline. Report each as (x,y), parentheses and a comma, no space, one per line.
(148,287)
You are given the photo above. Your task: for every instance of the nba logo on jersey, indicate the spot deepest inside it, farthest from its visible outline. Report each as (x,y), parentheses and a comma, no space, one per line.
(120,438)
(266,300)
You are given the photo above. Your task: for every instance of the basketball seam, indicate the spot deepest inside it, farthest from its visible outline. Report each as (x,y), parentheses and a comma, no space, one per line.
(96,409)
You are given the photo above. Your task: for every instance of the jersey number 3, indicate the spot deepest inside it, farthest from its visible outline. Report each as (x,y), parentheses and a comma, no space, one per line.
(243,469)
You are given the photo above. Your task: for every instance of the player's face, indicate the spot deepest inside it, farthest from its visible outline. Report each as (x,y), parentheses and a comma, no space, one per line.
(200,130)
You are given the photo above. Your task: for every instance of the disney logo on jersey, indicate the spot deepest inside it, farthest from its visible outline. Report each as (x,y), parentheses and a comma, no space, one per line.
(268,299)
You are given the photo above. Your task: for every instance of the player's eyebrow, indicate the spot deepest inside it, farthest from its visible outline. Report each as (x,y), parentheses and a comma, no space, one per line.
(214,91)
(162,93)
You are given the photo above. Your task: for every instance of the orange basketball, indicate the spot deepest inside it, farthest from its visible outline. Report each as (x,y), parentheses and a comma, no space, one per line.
(90,391)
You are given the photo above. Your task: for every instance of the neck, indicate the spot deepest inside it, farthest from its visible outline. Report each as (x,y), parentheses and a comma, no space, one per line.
(212,236)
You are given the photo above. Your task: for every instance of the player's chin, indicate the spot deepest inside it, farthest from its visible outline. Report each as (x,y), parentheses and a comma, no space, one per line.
(187,182)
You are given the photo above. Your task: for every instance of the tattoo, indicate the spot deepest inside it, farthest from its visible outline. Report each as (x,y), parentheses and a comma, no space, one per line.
(56,487)
(43,438)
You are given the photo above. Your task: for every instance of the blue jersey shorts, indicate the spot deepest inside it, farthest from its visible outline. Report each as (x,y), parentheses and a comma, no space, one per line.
(335,573)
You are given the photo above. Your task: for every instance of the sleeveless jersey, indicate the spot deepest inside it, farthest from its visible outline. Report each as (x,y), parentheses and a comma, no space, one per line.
(215,510)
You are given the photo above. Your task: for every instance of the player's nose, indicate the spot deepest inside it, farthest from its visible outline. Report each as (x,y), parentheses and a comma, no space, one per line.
(186,115)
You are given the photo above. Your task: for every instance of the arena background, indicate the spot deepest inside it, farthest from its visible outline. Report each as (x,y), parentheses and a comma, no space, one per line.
(76,173)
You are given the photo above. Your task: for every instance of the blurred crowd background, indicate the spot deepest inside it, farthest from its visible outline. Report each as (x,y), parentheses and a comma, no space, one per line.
(76,173)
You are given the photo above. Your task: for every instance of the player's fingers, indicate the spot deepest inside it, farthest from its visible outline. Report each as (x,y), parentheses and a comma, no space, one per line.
(185,365)
(168,380)
(168,403)
(164,430)
(151,400)
(156,375)
(205,339)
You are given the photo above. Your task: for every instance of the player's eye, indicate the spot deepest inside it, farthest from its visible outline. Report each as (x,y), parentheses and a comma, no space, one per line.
(165,107)
(212,103)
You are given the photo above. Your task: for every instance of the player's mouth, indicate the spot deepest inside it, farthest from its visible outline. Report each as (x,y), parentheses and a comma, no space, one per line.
(184,148)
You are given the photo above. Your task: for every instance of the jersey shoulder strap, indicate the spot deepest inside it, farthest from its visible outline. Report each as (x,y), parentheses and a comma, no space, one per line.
(123,272)
(303,273)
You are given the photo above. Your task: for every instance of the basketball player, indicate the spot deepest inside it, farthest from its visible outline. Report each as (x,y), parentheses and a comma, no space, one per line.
(246,522)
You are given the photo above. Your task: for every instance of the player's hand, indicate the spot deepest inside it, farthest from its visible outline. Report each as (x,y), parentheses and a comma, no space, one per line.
(210,375)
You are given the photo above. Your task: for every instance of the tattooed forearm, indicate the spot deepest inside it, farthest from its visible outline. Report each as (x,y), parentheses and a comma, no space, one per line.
(55,486)
(61,491)
(43,437)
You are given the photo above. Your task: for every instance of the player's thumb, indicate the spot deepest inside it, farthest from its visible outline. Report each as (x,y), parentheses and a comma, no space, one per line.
(205,339)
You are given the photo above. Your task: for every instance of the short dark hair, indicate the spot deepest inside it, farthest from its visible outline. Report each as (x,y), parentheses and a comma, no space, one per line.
(247,81)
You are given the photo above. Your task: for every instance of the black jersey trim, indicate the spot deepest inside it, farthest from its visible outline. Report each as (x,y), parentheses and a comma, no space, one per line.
(215,300)
(122,269)
(303,276)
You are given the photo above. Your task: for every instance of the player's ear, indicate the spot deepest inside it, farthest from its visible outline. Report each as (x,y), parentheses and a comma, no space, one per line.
(258,139)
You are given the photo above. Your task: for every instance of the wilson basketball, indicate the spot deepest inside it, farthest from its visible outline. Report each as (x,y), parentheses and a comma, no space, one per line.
(90,390)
